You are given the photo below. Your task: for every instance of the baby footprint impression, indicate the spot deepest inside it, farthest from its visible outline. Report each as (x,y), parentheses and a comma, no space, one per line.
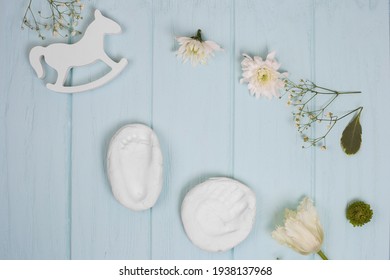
(135,167)
(218,214)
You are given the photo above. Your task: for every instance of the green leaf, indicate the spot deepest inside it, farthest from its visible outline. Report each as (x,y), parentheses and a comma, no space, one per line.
(352,136)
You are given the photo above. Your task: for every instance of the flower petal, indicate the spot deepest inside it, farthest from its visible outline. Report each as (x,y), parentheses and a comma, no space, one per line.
(303,241)
(307,214)
(271,55)
(213,45)
(302,230)
(280,235)
(258,60)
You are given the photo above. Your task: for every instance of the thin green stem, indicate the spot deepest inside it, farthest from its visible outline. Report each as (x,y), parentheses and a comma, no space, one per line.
(338,92)
(307,101)
(348,92)
(322,255)
(360,109)
(326,134)
(335,91)
(330,102)
(25,14)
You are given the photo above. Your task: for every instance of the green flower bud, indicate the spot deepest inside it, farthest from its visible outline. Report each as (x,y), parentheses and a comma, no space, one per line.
(359,213)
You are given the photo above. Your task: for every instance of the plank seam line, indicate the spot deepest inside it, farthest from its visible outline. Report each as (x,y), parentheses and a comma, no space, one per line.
(151,124)
(388,13)
(313,78)
(232,90)
(70,164)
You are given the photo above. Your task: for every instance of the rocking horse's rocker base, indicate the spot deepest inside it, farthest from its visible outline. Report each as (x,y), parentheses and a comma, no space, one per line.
(97,83)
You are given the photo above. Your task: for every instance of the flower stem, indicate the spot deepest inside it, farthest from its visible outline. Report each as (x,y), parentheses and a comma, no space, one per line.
(331,91)
(322,255)
(198,36)
(339,92)
(360,109)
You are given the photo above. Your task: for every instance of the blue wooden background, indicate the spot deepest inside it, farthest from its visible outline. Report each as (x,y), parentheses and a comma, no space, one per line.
(55,200)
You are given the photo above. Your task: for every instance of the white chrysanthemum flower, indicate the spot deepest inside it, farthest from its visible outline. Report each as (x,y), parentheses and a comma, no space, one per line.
(262,76)
(195,49)
(302,230)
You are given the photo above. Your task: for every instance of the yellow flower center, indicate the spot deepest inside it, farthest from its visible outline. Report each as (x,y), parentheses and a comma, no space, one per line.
(192,50)
(264,75)
(196,53)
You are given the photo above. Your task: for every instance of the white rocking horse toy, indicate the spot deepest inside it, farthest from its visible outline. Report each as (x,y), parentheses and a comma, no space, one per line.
(90,48)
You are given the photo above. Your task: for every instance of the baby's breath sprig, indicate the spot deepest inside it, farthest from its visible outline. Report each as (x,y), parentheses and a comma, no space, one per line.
(61,19)
(301,96)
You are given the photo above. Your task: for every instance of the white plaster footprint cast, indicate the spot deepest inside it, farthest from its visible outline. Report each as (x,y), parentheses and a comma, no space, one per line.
(90,48)
(135,167)
(218,214)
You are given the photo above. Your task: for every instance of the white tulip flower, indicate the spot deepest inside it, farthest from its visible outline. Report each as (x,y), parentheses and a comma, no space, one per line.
(195,49)
(302,230)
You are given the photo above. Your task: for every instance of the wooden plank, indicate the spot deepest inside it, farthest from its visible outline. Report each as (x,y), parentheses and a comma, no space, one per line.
(55,199)
(34,152)
(101,227)
(352,53)
(267,149)
(192,116)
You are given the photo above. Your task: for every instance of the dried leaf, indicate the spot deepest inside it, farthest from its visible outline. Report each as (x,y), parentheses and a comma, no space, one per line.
(352,136)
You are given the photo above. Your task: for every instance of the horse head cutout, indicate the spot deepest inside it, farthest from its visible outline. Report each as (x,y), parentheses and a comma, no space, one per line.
(108,25)
(89,49)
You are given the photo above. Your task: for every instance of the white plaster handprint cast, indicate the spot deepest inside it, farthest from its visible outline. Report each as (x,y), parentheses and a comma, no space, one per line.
(218,214)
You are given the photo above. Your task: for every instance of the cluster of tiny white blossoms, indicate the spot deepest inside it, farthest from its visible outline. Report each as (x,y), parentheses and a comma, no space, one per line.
(61,19)
(195,50)
(305,115)
(262,76)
